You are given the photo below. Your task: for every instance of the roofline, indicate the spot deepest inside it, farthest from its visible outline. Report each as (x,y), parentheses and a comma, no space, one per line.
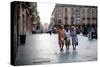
(73,5)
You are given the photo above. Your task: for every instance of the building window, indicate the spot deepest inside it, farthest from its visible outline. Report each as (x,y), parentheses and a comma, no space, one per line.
(84,13)
(59,21)
(66,20)
(65,12)
(88,12)
(93,12)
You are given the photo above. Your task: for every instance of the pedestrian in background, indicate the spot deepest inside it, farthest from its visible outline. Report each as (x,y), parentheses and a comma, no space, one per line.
(74,37)
(61,37)
(90,32)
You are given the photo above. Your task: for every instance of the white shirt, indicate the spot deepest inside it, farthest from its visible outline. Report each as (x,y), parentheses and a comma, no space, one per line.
(67,34)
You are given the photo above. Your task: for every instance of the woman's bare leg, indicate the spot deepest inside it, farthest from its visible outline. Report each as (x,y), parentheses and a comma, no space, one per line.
(62,44)
(73,47)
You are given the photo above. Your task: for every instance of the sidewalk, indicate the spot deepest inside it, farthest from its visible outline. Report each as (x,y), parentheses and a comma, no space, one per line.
(44,49)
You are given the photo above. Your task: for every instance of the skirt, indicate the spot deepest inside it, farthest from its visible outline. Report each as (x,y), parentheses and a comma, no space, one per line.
(67,42)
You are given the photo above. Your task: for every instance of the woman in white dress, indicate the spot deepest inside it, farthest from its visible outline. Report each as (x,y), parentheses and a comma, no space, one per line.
(67,38)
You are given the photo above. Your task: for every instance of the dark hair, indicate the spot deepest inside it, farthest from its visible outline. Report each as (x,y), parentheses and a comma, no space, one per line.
(61,27)
(66,29)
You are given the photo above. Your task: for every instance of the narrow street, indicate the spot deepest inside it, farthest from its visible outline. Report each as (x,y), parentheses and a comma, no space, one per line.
(44,49)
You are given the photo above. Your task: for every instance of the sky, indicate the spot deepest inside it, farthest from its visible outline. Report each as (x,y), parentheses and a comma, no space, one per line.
(45,11)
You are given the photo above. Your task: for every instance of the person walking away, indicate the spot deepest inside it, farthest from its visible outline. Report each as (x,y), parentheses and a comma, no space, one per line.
(90,33)
(61,37)
(74,37)
(50,31)
(67,38)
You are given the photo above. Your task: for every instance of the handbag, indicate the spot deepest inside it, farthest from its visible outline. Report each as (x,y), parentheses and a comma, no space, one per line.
(77,43)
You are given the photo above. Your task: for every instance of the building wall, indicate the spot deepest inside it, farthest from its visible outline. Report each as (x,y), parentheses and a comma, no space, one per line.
(23,14)
(27,17)
(76,15)
(69,16)
(85,16)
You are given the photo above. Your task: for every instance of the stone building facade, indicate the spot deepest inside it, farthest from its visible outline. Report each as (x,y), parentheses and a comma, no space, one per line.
(74,15)
(24,17)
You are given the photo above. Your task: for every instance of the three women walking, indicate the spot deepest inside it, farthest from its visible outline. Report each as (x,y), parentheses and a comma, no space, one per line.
(64,35)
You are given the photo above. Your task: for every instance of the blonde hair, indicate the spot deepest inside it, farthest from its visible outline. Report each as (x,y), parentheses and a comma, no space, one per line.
(73,28)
